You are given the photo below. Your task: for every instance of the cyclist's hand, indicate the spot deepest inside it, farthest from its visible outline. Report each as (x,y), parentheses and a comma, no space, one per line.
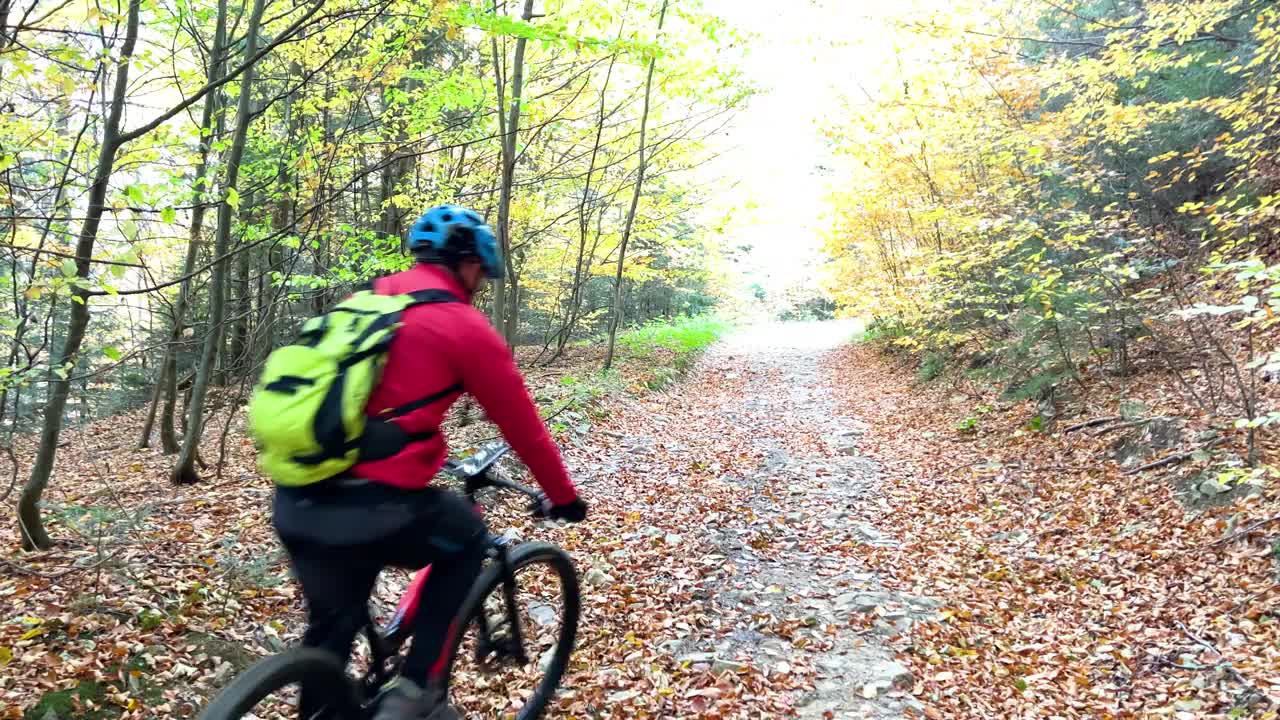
(575,511)
(540,508)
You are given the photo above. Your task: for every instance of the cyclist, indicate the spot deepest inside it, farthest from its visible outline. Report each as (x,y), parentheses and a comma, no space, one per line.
(339,534)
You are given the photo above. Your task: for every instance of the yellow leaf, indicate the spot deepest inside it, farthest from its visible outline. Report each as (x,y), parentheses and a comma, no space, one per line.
(6,656)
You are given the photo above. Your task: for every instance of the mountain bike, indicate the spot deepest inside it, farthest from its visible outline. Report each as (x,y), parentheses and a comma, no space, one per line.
(509,644)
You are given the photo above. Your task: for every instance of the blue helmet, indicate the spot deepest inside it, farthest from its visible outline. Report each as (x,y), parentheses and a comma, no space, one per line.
(449,233)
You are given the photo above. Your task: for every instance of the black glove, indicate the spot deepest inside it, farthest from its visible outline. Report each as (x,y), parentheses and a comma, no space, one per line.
(575,511)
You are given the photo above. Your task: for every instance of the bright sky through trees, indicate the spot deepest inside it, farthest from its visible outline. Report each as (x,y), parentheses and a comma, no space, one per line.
(803,56)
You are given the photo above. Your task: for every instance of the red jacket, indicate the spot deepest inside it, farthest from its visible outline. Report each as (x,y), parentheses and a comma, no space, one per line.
(451,348)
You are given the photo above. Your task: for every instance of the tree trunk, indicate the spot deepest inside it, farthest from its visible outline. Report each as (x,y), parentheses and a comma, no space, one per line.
(168,434)
(238,354)
(615,318)
(582,267)
(30,523)
(153,406)
(402,164)
(512,319)
(209,119)
(185,472)
(282,219)
(508,174)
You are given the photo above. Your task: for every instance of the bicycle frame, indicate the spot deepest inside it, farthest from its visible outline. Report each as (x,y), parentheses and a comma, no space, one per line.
(385,641)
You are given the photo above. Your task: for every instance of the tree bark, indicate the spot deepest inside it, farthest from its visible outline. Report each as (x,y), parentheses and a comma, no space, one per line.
(153,405)
(184,472)
(582,267)
(615,318)
(508,174)
(167,382)
(402,164)
(238,361)
(281,219)
(168,433)
(30,523)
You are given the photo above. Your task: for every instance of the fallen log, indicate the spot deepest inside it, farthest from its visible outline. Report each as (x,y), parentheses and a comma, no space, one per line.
(1092,423)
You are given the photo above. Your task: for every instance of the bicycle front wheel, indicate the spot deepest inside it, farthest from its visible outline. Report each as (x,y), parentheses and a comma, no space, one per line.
(513,644)
(273,687)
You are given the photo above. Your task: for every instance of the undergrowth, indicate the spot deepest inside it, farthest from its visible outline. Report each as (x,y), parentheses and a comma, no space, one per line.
(686,337)
(650,357)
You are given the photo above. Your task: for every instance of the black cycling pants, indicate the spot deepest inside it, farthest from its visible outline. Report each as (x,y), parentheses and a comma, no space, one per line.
(341,534)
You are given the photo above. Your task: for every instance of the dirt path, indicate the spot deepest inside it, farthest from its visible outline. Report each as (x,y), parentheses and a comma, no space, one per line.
(735,563)
(721,563)
(752,486)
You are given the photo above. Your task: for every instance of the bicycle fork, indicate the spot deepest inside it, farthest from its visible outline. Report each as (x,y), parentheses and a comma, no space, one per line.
(513,644)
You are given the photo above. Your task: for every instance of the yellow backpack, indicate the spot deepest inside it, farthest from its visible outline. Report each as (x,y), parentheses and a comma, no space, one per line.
(307,412)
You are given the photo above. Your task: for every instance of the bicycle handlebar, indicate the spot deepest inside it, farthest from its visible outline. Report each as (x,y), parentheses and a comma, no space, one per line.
(475,473)
(488,480)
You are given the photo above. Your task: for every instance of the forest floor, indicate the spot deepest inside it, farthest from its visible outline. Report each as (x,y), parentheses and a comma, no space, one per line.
(794,529)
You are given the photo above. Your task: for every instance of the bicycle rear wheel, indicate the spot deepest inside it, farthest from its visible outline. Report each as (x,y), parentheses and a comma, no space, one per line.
(490,673)
(270,689)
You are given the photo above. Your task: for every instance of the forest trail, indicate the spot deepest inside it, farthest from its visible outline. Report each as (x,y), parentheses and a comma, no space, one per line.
(772,536)
(720,563)
(747,476)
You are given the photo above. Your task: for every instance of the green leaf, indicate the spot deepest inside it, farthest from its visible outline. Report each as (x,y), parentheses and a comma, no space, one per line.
(233,198)
(112,353)
(68,268)
(168,215)
(134,193)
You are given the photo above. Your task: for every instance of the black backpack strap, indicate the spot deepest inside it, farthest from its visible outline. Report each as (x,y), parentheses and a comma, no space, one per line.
(417,404)
(383,438)
(427,297)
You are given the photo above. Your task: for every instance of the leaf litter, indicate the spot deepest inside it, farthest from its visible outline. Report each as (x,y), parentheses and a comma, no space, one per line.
(695,604)
(787,532)
(1075,587)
